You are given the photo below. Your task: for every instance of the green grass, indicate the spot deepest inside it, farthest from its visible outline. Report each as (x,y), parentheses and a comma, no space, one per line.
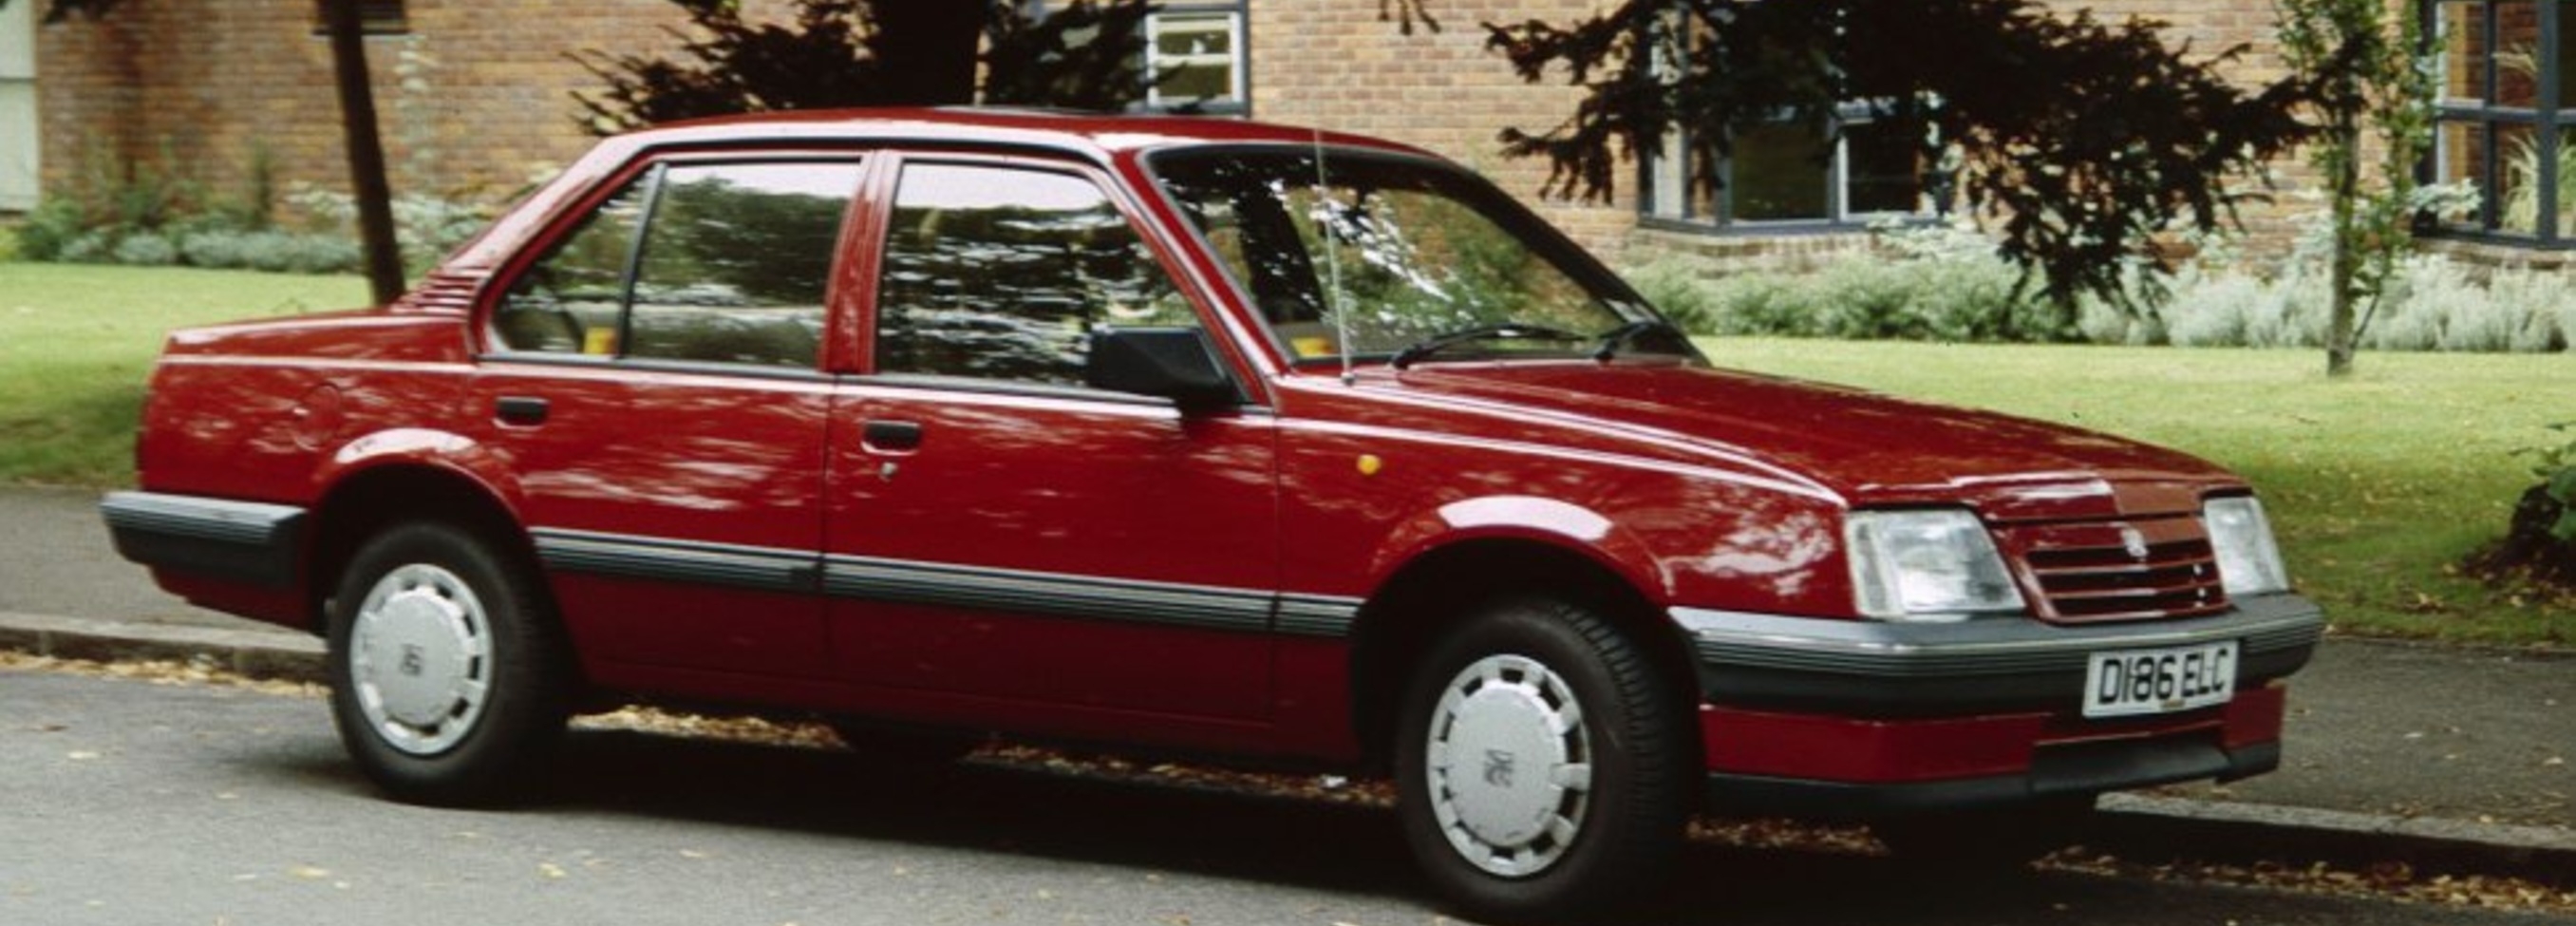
(76,343)
(2378,484)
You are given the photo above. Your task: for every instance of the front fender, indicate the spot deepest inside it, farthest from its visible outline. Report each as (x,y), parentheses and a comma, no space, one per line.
(1551,522)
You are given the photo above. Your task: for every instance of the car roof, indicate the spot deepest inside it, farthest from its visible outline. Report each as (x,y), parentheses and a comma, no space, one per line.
(1088,133)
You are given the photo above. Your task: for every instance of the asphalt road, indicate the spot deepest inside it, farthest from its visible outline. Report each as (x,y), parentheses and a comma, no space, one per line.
(124,802)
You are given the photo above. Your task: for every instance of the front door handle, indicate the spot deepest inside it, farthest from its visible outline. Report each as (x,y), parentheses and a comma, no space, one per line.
(520,410)
(891,435)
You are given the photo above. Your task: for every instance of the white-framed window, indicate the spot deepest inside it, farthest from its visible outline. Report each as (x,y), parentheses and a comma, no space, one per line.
(1198,51)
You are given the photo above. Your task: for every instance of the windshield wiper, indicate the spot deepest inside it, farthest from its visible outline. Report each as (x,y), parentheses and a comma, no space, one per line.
(1504,332)
(1620,336)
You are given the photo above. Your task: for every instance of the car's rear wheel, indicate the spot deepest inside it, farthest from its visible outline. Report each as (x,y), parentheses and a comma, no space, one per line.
(1543,767)
(447,678)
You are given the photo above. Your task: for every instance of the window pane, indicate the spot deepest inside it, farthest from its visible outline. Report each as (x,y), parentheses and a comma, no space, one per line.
(2517,182)
(1885,172)
(1779,174)
(568,302)
(1001,274)
(1195,55)
(2464,53)
(2459,156)
(737,262)
(2517,55)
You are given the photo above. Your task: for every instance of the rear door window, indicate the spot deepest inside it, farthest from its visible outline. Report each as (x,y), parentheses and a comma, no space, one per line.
(704,263)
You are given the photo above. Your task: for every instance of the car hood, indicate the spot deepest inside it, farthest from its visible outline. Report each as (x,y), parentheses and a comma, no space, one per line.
(1869,448)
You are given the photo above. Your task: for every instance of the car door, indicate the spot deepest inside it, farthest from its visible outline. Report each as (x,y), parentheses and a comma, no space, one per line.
(654,381)
(998,530)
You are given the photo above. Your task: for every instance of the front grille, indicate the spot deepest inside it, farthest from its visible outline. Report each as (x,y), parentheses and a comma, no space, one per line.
(2144,569)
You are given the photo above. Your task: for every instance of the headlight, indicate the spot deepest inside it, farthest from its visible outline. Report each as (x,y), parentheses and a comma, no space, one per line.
(2249,563)
(1937,565)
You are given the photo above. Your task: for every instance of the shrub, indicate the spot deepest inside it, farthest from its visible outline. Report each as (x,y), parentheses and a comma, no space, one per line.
(144,249)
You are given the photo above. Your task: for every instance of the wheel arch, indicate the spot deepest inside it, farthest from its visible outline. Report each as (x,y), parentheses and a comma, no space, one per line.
(1446,586)
(364,501)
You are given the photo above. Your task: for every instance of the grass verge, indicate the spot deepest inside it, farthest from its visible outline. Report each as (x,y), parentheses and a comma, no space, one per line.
(2379,484)
(76,343)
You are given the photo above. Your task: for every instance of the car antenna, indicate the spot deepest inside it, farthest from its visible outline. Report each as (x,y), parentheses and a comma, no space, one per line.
(1333,299)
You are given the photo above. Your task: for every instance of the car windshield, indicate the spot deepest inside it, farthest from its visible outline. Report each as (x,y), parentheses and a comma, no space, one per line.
(1399,258)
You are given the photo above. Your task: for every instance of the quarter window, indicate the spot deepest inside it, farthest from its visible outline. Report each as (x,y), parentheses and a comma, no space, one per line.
(732,264)
(1001,274)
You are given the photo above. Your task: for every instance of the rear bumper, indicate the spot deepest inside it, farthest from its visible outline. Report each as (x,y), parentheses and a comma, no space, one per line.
(246,543)
(1850,719)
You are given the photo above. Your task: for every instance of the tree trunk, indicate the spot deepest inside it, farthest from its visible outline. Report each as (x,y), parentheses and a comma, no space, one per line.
(366,150)
(2340,333)
(928,50)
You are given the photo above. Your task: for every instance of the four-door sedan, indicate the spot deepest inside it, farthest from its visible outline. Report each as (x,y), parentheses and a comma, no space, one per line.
(1194,436)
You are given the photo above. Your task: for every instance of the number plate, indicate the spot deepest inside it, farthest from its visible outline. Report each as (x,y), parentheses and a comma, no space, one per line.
(2123,683)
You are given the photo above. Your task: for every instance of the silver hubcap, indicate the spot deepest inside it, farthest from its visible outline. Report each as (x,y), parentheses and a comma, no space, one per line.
(1511,765)
(420,659)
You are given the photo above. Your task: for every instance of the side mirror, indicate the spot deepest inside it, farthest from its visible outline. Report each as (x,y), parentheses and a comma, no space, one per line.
(1170,363)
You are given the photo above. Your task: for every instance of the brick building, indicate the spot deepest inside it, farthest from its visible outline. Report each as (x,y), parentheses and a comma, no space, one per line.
(474,103)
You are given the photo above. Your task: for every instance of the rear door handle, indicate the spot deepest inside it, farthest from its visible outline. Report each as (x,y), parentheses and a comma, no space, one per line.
(520,409)
(891,435)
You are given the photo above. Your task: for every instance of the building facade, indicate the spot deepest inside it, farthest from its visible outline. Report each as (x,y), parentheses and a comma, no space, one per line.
(475,103)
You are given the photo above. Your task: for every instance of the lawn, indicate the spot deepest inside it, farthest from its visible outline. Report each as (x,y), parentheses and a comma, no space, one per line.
(76,343)
(2378,484)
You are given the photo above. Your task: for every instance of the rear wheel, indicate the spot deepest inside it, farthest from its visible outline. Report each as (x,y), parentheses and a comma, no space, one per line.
(1542,764)
(447,678)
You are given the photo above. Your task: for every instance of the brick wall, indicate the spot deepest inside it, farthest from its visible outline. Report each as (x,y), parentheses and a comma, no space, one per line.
(475,101)
(1334,63)
(470,101)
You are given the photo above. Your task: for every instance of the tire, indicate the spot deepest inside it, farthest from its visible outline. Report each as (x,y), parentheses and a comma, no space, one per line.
(1515,821)
(448,673)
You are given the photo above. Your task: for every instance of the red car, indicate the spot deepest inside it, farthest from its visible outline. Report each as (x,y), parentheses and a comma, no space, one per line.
(1201,436)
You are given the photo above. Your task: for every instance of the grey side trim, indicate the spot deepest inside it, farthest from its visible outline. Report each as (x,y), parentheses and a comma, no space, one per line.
(1198,606)
(1324,616)
(877,579)
(759,568)
(252,542)
(2267,624)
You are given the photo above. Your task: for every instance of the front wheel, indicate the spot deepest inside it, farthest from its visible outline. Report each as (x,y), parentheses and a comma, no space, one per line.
(447,683)
(1543,765)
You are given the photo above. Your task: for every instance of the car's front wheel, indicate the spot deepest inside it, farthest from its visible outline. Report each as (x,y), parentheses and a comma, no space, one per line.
(1543,767)
(447,679)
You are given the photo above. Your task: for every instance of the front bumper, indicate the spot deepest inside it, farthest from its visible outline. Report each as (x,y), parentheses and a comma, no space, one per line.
(1852,719)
